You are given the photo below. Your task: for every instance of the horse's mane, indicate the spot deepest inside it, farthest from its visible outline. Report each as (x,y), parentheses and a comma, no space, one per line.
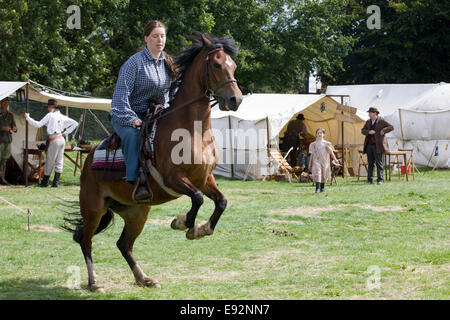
(186,57)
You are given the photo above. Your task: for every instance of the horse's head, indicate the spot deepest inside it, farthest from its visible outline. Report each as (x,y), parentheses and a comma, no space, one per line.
(209,60)
(220,69)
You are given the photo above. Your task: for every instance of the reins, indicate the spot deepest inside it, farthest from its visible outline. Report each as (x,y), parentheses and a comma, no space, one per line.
(209,93)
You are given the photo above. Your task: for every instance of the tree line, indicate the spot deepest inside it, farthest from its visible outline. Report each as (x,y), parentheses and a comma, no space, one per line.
(281,42)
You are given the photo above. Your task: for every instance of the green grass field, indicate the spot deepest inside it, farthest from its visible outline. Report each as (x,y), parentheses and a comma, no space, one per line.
(275,241)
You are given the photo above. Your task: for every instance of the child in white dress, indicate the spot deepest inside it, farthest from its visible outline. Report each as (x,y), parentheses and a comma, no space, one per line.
(319,163)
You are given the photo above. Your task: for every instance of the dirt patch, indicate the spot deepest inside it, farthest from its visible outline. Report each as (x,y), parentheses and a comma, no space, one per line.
(300,243)
(205,274)
(237,198)
(255,191)
(429,269)
(287,221)
(314,212)
(305,212)
(43,228)
(275,256)
(374,208)
(160,222)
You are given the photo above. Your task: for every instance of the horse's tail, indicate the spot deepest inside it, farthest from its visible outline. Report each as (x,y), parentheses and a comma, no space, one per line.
(74,224)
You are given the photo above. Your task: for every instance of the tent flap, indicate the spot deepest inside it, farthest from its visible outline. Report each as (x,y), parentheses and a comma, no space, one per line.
(8,88)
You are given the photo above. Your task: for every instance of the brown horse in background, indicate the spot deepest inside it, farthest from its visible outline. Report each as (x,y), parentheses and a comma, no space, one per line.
(206,70)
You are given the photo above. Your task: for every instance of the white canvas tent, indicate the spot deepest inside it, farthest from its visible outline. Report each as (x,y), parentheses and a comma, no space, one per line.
(420,114)
(243,138)
(8,88)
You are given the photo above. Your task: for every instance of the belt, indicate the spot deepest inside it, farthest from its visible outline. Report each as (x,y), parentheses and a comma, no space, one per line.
(54,138)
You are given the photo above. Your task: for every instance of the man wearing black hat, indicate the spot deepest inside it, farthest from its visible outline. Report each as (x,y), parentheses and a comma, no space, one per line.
(58,126)
(7,126)
(375,144)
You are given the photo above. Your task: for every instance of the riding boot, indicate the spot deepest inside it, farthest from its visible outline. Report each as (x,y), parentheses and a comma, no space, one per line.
(317,187)
(56,179)
(142,192)
(44,182)
(2,176)
(322,187)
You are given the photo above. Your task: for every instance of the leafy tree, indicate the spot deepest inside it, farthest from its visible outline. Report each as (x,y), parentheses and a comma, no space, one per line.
(283,41)
(412,45)
(38,45)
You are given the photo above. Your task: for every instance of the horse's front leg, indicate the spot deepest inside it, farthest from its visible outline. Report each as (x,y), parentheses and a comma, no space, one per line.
(211,190)
(184,221)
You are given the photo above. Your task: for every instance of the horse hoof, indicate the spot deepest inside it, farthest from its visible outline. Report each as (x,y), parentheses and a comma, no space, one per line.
(96,288)
(149,283)
(179,222)
(195,232)
(190,234)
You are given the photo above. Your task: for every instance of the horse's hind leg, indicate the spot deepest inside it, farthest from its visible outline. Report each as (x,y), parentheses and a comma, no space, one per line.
(211,191)
(135,218)
(91,221)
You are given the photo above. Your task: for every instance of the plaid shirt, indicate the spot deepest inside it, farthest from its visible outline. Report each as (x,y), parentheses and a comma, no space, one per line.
(140,79)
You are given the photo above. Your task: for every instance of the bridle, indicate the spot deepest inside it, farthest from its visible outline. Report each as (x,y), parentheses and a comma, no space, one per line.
(210,94)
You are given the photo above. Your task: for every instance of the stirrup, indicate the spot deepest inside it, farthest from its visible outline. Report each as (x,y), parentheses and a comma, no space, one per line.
(142,188)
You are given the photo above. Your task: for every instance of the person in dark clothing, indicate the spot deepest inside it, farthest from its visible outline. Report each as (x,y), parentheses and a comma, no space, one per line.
(375,143)
(295,129)
(7,126)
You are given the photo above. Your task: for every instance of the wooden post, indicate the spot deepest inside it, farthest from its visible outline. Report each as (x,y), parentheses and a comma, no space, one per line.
(25,154)
(82,125)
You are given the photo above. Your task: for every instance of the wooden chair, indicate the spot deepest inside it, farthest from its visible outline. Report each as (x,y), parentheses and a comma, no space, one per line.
(284,169)
(399,158)
(348,166)
(409,162)
(362,163)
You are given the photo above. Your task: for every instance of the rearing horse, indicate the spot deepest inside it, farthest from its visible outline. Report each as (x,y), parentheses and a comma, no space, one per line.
(206,69)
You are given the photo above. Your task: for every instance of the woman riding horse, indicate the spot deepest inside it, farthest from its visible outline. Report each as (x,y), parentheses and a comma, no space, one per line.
(146,76)
(206,70)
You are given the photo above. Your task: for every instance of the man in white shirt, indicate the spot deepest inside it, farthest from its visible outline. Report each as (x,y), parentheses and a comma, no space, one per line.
(58,126)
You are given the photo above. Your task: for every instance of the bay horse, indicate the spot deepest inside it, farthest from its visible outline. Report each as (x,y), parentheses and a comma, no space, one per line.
(206,70)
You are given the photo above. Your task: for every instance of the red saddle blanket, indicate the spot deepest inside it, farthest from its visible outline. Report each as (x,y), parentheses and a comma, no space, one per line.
(108,162)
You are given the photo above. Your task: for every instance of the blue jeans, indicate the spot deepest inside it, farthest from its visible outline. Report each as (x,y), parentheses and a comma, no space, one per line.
(130,146)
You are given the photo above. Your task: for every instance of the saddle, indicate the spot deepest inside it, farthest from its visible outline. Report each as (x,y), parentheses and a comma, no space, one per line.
(108,161)
(110,164)
(112,142)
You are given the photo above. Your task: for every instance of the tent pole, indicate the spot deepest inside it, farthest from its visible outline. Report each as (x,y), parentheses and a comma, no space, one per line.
(268,142)
(401,127)
(67,115)
(25,156)
(231,147)
(343,150)
(99,122)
